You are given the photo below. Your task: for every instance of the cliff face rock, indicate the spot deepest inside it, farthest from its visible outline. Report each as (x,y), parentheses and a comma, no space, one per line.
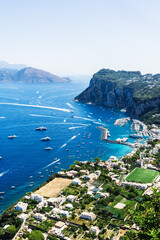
(123,90)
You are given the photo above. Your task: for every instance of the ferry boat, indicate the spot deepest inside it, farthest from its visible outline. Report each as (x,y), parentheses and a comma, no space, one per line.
(2,192)
(41,128)
(135,136)
(46,139)
(12,136)
(48,148)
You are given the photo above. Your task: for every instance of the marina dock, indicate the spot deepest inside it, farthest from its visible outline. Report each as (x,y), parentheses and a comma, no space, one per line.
(104,137)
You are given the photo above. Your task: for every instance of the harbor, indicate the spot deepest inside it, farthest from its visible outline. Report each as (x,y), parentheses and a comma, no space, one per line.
(105,134)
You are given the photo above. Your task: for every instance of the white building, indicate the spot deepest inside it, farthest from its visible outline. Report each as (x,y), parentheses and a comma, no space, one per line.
(112,158)
(55,211)
(154,150)
(91,176)
(5,227)
(23,216)
(69,205)
(39,217)
(84,171)
(76,181)
(64,213)
(98,172)
(42,204)
(94,229)
(71,198)
(36,197)
(21,206)
(90,216)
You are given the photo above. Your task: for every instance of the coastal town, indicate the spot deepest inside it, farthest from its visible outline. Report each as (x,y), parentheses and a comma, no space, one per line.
(90,200)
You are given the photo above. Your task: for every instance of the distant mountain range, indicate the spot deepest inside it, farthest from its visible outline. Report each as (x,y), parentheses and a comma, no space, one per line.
(4,64)
(23,74)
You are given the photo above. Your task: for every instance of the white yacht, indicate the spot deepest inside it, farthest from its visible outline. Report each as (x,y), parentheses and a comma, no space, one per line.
(41,128)
(48,148)
(12,136)
(46,139)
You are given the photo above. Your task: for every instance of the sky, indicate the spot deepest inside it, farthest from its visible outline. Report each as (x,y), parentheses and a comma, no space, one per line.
(74,37)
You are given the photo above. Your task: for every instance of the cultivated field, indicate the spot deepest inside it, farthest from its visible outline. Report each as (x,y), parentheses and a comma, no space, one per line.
(52,188)
(141,175)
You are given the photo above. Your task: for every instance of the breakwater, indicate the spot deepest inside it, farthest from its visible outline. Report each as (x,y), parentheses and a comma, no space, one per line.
(104,137)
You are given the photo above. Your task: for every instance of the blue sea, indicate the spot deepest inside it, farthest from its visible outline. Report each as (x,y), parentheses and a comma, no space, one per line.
(24,107)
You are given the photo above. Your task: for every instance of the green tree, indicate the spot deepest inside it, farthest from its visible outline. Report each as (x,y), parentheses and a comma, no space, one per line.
(2,232)
(11,231)
(147,217)
(36,235)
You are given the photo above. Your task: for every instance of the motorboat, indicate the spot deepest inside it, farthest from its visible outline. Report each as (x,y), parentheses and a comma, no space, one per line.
(13,187)
(48,148)
(46,139)
(41,128)
(12,136)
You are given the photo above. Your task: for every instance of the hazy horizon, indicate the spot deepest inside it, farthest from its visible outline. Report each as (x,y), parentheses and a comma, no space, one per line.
(81,37)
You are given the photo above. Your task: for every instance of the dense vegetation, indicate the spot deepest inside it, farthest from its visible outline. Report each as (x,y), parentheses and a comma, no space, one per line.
(126,89)
(147,84)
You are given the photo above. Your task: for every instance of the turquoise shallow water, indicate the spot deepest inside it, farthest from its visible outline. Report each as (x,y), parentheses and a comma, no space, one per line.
(23,107)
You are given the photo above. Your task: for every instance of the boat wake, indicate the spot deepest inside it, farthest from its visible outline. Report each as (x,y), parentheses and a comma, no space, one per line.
(72,138)
(76,127)
(3,173)
(63,146)
(35,115)
(69,141)
(36,106)
(51,164)
(69,105)
(88,119)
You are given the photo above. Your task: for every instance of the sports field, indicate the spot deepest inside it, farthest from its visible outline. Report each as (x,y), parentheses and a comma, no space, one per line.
(141,175)
(52,188)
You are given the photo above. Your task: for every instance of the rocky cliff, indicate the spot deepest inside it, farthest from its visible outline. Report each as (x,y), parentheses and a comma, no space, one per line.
(131,90)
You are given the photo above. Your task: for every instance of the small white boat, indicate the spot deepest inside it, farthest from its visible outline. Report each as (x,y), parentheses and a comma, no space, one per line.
(41,128)
(0,157)
(48,148)
(12,136)
(46,139)
(13,187)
